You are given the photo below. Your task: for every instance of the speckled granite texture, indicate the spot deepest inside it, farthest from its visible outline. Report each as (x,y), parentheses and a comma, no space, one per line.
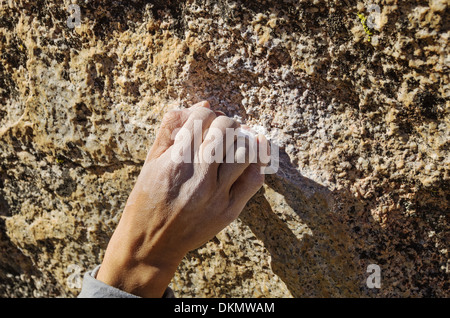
(362,127)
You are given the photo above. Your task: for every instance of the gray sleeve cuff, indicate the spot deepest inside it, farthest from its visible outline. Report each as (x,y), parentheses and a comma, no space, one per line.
(93,288)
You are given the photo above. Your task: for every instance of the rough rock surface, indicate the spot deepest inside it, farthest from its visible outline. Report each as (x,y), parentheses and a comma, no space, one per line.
(362,126)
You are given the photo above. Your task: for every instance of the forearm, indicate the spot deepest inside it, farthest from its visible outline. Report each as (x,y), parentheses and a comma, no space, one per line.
(136,268)
(142,281)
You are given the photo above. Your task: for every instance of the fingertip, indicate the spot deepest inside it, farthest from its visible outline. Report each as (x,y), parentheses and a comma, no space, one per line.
(204,104)
(261,138)
(248,128)
(219,113)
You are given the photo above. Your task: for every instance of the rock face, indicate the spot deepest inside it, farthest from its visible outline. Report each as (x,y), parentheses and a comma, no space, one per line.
(362,128)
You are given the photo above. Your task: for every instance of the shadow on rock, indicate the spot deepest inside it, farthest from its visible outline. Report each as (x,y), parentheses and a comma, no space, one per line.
(310,248)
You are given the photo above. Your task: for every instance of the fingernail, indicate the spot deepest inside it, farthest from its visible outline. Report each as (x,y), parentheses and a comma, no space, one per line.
(220,113)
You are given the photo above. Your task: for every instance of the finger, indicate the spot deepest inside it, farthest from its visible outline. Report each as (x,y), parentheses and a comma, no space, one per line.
(246,127)
(172,120)
(264,150)
(190,136)
(250,181)
(204,104)
(220,113)
(215,144)
(239,156)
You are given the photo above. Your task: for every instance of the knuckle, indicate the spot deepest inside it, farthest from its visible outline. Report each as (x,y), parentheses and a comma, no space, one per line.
(170,117)
(229,216)
(225,122)
(203,113)
(172,113)
(259,179)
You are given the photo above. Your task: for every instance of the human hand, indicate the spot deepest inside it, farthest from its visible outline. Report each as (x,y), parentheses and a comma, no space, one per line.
(175,206)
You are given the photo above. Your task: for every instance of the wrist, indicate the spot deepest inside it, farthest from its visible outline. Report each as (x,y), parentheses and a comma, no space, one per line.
(140,279)
(133,267)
